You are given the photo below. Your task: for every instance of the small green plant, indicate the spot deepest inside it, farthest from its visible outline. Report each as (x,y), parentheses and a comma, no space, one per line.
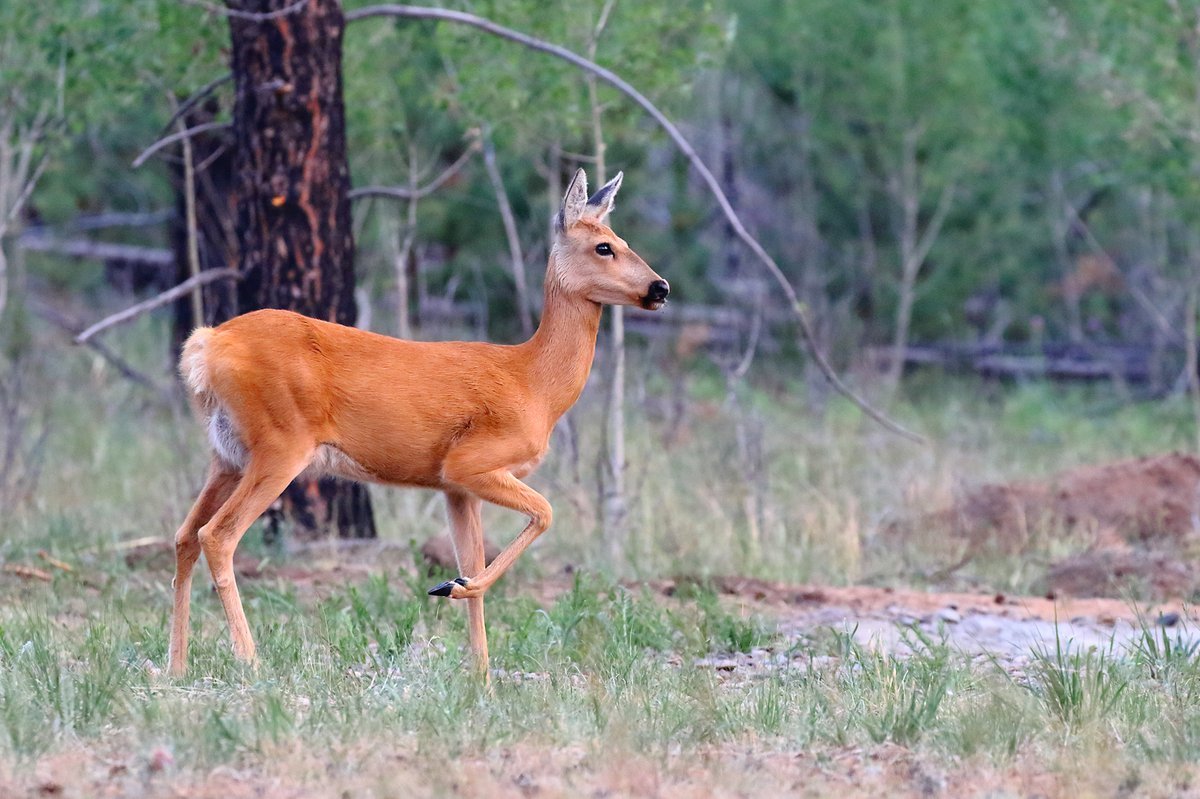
(1077,687)
(1161,653)
(906,692)
(715,628)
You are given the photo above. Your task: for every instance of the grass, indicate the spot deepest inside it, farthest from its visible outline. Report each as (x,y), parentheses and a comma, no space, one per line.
(1075,686)
(600,687)
(599,667)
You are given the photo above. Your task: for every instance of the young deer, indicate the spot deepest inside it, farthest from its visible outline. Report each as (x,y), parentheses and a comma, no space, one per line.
(282,395)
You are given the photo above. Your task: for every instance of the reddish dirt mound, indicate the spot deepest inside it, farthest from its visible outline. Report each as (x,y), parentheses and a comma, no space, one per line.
(1137,519)
(1134,500)
(1145,499)
(1109,573)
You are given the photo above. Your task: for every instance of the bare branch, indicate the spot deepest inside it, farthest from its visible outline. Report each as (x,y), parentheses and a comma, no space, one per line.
(27,189)
(193,237)
(197,96)
(111,219)
(174,137)
(56,318)
(170,295)
(98,250)
(743,366)
(418,192)
(682,144)
(510,233)
(249,15)
(406,249)
(934,228)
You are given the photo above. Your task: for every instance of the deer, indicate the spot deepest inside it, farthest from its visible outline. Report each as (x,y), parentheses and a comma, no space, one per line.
(282,395)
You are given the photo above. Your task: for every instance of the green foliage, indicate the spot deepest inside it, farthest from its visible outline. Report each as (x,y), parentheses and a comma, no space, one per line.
(809,104)
(1163,653)
(1074,686)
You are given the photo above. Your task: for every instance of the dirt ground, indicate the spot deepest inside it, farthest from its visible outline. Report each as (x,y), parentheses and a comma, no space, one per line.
(1146,500)
(1137,522)
(1141,516)
(521,772)
(999,627)
(996,627)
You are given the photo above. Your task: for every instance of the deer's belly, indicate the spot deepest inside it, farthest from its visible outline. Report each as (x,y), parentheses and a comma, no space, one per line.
(526,468)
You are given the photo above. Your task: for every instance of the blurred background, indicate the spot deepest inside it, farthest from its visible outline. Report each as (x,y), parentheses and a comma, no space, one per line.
(988,211)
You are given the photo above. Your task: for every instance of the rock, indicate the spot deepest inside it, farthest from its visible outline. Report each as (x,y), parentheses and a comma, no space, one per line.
(948,616)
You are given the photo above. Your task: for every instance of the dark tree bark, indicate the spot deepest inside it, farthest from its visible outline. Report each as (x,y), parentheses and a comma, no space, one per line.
(293,213)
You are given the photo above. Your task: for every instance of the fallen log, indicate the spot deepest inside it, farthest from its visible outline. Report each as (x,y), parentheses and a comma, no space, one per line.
(1131,363)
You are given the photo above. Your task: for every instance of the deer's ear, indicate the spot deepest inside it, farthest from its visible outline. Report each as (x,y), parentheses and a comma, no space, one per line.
(600,205)
(574,202)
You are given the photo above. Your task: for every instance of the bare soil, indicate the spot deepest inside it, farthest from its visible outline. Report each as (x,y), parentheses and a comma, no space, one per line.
(1141,516)
(520,772)
(1141,500)
(1139,521)
(996,627)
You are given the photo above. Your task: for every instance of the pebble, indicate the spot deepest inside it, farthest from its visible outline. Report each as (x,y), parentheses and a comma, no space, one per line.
(948,615)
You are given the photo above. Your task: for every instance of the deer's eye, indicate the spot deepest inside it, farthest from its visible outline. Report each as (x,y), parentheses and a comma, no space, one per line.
(604,248)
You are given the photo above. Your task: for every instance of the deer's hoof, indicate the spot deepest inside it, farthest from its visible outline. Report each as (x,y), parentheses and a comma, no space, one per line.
(447,588)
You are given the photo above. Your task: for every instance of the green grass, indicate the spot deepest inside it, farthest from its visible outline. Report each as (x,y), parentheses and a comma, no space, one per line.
(600,669)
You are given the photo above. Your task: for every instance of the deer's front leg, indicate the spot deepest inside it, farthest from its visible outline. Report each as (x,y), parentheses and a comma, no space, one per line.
(500,488)
(466,529)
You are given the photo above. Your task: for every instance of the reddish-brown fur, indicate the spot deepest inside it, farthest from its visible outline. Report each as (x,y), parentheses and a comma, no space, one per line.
(282,394)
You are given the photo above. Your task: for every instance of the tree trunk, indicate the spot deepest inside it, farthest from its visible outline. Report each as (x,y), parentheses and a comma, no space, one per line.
(293,212)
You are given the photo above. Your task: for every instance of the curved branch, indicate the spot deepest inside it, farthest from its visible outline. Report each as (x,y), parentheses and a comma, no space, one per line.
(170,295)
(614,80)
(419,192)
(174,137)
(197,96)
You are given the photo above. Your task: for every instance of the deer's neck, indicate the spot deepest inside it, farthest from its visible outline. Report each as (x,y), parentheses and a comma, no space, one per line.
(561,351)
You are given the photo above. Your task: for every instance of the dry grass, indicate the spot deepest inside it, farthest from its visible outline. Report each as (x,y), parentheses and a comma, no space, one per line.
(361,690)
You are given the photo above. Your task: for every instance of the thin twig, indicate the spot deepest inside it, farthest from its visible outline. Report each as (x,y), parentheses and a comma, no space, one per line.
(250,16)
(157,301)
(510,232)
(420,192)
(403,326)
(197,96)
(111,219)
(743,366)
(174,137)
(682,144)
(28,572)
(37,241)
(56,318)
(193,234)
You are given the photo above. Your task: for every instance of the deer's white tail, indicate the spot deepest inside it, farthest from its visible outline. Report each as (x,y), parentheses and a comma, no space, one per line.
(193,367)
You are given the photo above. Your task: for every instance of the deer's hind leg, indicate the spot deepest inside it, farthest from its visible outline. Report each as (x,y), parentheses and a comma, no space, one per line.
(267,474)
(219,485)
(466,531)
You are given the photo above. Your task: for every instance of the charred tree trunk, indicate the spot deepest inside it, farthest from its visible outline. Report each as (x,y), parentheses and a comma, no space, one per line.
(293,212)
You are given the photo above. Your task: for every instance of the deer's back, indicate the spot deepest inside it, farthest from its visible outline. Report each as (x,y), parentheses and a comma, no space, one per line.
(389,407)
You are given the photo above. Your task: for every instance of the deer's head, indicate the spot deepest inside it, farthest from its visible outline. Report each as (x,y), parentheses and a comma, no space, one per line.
(593,262)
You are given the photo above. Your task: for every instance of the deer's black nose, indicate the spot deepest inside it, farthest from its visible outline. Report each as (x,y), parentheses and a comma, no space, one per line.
(658,291)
